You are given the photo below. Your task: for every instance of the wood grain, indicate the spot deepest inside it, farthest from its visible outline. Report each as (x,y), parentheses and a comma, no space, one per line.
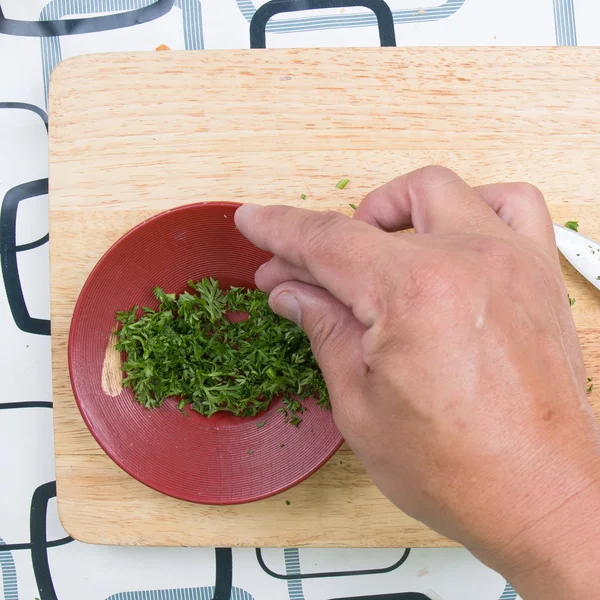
(134,134)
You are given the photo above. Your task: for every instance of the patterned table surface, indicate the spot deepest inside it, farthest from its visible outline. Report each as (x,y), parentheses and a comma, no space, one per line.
(37,558)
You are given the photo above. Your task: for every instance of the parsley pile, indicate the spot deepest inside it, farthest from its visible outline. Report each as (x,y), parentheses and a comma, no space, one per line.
(188,348)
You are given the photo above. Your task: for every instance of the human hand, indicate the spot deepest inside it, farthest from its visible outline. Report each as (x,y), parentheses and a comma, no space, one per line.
(452,361)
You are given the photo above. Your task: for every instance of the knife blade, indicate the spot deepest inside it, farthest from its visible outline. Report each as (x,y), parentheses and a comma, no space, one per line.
(581,252)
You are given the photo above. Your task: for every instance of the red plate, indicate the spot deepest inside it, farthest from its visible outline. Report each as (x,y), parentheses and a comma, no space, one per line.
(221,460)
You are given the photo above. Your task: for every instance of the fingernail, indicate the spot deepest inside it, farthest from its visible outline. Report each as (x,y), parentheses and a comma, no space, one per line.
(286,305)
(245,212)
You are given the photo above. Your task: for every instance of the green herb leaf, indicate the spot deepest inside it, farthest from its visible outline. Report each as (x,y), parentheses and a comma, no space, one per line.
(574,225)
(295,420)
(303,196)
(571,300)
(261,424)
(187,348)
(590,388)
(353,206)
(342,183)
(250,451)
(288,502)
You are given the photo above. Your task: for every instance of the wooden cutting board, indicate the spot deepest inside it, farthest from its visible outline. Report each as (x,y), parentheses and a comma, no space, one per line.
(135,134)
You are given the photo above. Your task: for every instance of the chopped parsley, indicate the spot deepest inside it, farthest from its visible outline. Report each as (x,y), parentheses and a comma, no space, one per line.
(189,349)
(303,196)
(571,300)
(292,409)
(574,225)
(342,183)
(353,206)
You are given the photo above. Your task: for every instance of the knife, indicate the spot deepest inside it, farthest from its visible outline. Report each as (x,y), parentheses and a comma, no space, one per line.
(581,252)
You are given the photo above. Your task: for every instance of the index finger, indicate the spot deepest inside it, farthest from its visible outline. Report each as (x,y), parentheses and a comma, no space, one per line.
(348,258)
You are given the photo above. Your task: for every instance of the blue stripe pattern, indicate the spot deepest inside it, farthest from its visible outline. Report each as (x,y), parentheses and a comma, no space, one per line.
(508,593)
(204,593)
(9,574)
(57,9)
(193,34)
(292,567)
(564,23)
(367,19)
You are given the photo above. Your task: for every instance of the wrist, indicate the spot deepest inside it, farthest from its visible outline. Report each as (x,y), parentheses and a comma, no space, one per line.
(557,557)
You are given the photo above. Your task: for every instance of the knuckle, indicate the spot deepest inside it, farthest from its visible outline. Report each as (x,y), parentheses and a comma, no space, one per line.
(427,176)
(529,191)
(327,333)
(436,171)
(317,230)
(373,196)
(531,200)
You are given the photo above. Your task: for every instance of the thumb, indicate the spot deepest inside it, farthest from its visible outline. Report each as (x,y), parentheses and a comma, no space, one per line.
(335,334)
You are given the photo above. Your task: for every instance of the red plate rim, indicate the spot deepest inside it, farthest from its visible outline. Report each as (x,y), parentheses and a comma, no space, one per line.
(115,457)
